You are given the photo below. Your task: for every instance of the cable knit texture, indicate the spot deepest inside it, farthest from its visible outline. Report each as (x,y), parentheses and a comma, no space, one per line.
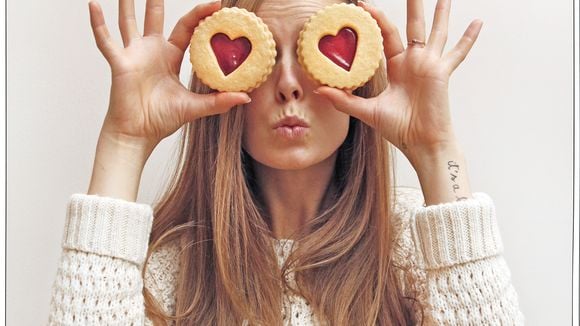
(452,250)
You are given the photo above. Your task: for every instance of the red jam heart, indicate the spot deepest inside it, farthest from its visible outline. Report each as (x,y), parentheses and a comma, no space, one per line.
(341,48)
(230,54)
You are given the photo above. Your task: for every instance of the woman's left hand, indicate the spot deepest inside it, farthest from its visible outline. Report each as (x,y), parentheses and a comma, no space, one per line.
(413,111)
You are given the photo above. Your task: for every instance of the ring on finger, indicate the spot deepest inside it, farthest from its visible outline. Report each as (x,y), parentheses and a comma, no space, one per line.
(416,42)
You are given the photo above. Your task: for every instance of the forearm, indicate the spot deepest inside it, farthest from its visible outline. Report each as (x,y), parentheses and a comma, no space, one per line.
(442,174)
(117,168)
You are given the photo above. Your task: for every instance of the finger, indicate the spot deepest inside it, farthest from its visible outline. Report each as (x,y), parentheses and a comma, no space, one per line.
(438,36)
(459,52)
(127,21)
(195,105)
(102,37)
(356,106)
(415,20)
(391,37)
(154,17)
(181,34)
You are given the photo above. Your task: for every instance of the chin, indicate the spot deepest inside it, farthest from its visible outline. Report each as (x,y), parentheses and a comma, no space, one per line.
(290,159)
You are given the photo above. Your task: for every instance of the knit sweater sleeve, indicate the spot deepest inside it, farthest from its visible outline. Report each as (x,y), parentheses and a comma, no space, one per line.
(98,280)
(455,252)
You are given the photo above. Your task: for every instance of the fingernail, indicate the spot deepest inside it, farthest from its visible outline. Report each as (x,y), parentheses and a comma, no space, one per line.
(315,91)
(249,100)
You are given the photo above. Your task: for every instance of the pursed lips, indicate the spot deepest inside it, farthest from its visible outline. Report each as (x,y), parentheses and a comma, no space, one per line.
(291,122)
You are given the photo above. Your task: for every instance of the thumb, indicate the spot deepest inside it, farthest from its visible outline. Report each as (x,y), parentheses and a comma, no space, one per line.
(194,106)
(356,106)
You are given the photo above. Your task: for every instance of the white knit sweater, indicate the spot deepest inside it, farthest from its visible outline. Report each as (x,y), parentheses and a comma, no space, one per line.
(453,249)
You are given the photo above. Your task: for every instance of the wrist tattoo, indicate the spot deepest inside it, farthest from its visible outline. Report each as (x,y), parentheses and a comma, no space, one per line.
(454,168)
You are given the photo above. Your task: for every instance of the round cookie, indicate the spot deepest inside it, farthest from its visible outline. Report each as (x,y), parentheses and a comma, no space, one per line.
(232,50)
(341,46)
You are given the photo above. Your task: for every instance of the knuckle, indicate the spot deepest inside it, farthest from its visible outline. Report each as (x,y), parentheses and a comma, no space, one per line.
(126,17)
(180,22)
(194,16)
(102,47)
(158,7)
(195,11)
(206,105)
(441,6)
(393,30)
(419,21)
(440,32)
(183,112)
(211,103)
(459,56)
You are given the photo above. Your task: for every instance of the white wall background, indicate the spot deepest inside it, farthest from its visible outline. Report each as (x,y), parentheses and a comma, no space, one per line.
(511,103)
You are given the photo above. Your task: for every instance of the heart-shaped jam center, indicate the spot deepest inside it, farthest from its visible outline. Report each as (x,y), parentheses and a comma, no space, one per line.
(341,48)
(230,54)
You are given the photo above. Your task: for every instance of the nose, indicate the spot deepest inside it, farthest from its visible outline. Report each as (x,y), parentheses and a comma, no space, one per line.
(288,87)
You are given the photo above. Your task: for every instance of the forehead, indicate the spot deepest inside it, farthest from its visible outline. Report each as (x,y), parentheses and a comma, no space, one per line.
(285,18)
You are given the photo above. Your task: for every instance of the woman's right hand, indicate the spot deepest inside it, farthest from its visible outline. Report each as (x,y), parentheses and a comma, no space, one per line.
(147,101)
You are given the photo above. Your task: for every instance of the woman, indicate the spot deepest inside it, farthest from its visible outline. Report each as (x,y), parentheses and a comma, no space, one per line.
(254,229)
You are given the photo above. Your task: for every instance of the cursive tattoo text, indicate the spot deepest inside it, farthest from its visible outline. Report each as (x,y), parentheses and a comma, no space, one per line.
(453,167)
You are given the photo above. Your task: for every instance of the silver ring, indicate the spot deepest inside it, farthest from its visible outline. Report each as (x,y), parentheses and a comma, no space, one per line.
(416,42)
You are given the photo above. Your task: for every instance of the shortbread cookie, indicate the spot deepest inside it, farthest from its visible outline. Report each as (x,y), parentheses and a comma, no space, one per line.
(341,46)
(232,50)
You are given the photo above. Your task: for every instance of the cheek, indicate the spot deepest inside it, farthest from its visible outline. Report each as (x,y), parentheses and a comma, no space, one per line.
(257,135)
(332,128)
(251,127)
(259,94)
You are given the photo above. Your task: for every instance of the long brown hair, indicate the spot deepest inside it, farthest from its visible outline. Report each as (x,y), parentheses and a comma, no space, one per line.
(228,267)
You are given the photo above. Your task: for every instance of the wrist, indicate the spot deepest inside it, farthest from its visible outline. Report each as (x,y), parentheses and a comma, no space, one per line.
(118,165)
(126,143)
(419,155)
(442,173)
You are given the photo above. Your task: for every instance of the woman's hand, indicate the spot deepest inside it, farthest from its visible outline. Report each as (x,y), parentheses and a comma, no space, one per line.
(413,111)
(147,101)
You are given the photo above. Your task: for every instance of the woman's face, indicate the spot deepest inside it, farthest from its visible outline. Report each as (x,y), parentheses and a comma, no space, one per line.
(288,93)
